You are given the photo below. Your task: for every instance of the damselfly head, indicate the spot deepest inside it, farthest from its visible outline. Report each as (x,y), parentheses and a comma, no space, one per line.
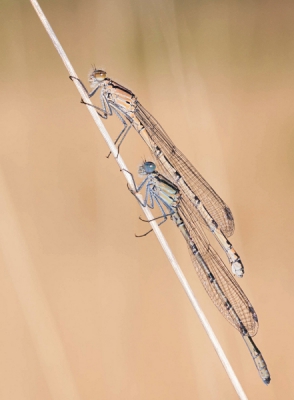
(96,76)
(147,168)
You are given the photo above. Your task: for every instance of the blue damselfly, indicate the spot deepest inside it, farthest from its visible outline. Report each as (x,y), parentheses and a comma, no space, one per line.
(217,280)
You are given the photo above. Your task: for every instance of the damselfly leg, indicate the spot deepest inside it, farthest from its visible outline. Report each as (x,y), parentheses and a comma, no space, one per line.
(106,111)
(151,197)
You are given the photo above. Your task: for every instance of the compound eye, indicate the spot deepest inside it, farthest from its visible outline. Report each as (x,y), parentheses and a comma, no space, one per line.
(99,74)
(149,167)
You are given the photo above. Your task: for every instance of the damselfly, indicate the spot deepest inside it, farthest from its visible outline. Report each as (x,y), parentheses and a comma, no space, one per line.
(217,280)
(208,208)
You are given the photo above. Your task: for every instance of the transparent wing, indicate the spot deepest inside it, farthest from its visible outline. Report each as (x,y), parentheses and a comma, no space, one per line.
(231,289)
(223,276)
(216,207)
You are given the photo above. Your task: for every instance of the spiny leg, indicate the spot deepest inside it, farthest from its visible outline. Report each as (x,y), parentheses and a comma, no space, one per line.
(154,219)
(105,113)
(148,193)
(164,215)
(161,209)
(123,133)
(138,188)
(122,139)
(110,109)
(83,86)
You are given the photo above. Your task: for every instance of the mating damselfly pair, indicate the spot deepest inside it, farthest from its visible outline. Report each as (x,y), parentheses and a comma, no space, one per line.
(180,192)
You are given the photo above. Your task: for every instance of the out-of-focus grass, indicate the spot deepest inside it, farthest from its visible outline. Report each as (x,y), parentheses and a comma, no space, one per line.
(219,78)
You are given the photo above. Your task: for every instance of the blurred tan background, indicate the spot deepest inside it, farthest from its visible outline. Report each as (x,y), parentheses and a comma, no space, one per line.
(87,310)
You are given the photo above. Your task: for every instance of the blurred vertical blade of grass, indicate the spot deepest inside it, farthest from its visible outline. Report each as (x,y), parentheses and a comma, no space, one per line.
(237,59)
(36,311)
